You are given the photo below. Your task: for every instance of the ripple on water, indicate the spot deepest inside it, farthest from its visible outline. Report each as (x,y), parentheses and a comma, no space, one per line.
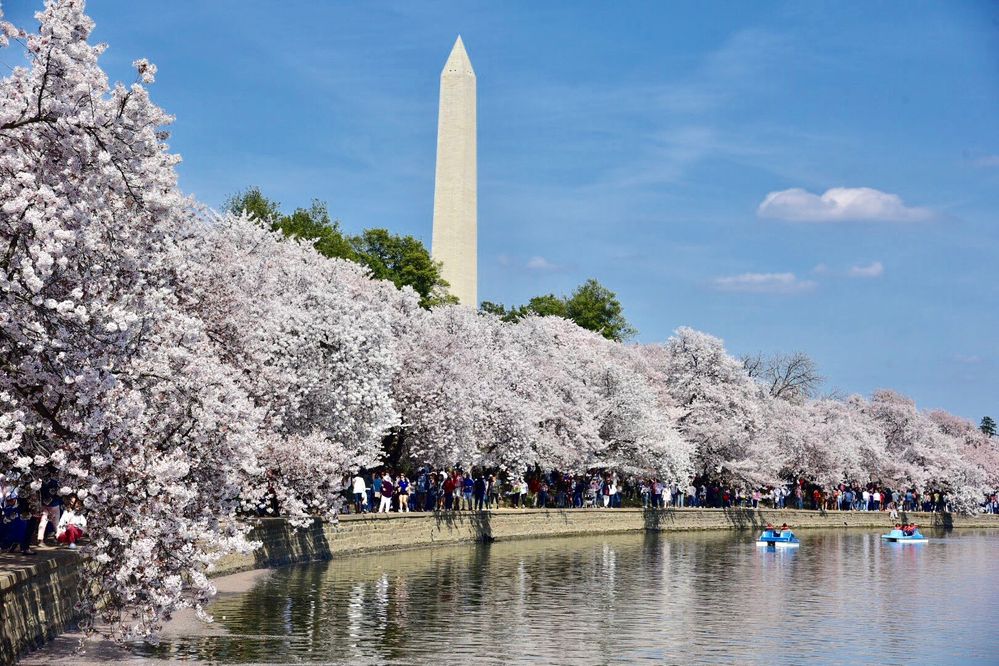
(704,597)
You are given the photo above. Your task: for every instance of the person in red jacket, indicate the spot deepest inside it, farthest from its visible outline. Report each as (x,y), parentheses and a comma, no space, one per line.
(449,484)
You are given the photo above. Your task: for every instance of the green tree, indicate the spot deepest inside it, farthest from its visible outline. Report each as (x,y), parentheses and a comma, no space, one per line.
(312,224)
(494,309)
(315,224)
(548,305)
(403,260)
(595,307)
(256,204)
(988,426)
(592,306)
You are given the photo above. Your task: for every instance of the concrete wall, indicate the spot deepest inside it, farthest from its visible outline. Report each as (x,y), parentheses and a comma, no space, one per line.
(37,595)
(281,544)
(37,599)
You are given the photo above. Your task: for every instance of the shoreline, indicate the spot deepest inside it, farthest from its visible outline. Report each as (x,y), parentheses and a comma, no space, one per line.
(38,594)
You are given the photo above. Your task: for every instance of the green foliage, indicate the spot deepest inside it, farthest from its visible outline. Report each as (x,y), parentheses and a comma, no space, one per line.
(592,306)
(403,260)
(494,309)
(312,224)
(254,203)
(315,224)
(595,307)
(549,305)
(988,426)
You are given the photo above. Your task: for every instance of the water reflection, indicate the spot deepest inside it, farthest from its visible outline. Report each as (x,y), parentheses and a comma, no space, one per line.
(711,597)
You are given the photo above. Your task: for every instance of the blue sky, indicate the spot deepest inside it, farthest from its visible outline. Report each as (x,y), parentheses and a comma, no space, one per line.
(637,143)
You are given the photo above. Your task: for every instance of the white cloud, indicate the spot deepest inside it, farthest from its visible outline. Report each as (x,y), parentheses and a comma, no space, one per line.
(987,161)
(872,270)
(540,264)
(969,359)
(820,269)
(839,204)
(763,283)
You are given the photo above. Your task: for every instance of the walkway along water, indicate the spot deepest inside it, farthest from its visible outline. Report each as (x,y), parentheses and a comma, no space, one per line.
(37,594)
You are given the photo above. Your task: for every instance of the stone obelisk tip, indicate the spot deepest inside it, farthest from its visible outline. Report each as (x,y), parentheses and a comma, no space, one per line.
(458,62)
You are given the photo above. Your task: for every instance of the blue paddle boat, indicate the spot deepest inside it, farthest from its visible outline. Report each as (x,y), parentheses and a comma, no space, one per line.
(774,538)
(900,536)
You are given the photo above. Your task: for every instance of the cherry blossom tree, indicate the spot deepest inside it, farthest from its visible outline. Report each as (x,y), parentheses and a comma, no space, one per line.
(921,454)
(452,391)
(599,404)
(312,342)
(721,409)
(567,433)
(827,441)
(107,377)
(474,390)
(976,447)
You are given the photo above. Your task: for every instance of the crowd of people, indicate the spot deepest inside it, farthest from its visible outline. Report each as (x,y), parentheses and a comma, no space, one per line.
(383,491)
(32,511)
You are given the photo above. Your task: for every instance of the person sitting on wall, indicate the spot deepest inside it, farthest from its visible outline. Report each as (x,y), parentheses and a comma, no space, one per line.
(72,524)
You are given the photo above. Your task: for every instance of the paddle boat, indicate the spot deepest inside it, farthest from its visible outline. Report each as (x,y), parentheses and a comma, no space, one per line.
(899,535)
(773,537)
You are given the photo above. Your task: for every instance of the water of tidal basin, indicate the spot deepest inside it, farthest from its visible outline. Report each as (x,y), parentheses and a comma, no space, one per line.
(711,597)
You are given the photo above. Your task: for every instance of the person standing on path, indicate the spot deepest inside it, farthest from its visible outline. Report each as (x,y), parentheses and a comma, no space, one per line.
(51,506)
(360,491)
(449,492)
(403,494)
(493,492)
(376,492)
(479,492)
(386,494)
(468,490)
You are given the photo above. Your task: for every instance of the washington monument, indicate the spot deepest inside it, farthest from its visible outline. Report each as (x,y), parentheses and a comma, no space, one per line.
(454,238)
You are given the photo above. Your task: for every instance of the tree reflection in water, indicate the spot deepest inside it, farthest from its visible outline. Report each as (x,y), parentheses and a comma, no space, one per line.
(710,596)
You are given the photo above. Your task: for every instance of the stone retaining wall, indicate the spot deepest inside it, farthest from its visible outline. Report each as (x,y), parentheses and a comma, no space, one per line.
(282,544)
(37,599)
(37,595)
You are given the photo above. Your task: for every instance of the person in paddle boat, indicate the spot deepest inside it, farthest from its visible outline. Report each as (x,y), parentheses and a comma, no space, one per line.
(783,528)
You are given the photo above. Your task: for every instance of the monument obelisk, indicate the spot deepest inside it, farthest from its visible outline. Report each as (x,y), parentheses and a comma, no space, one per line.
(455,198)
